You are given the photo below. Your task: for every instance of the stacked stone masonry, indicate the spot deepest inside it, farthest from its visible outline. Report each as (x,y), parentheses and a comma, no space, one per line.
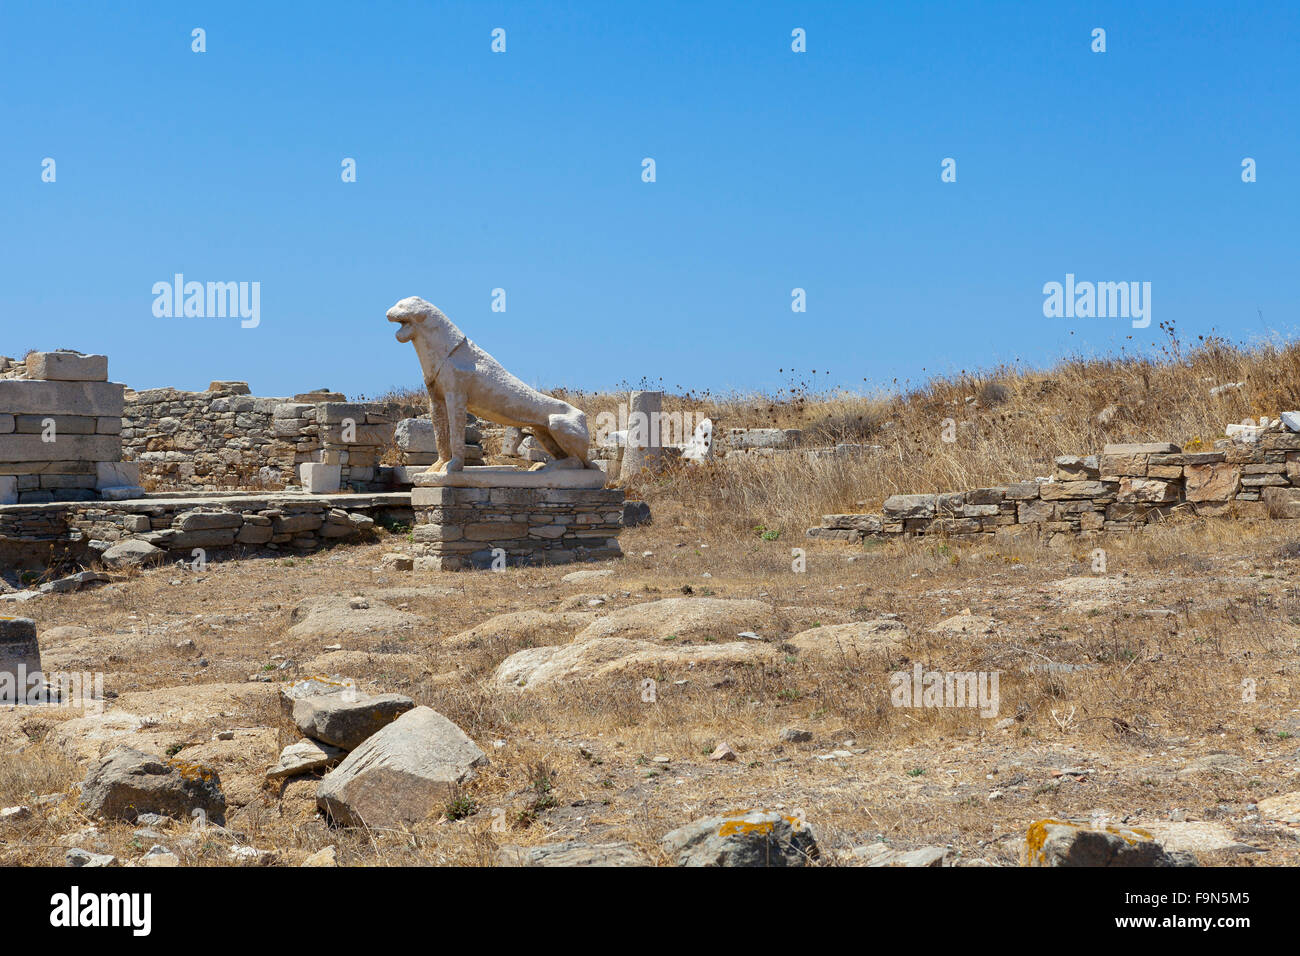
(1125,488)
(60,429)
(459,528)
(49,535)
(227,438)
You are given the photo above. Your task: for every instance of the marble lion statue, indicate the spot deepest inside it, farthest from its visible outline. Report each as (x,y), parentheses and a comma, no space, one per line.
(461,377)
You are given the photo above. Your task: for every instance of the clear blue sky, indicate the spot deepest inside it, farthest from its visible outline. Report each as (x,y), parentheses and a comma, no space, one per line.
(522,171)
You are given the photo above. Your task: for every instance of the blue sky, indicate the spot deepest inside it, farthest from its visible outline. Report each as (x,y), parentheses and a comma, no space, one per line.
(522,171)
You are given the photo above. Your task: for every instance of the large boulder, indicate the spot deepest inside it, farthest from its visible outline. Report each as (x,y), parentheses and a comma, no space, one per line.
(129,782)
(743,838)
(401,774)
(347,718)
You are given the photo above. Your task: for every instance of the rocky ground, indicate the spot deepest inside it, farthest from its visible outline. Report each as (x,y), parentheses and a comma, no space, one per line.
(1148,690)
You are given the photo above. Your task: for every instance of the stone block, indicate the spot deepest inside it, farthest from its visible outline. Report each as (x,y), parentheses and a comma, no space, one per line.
(1075,468)
(335,413)
(1123,465)
(1211,482)
(8,490)
(909,506)
(1064,490)
(67,367)
(117,474)
(1140,448)
(23,397)
(87,448)
(54,424)
(1147,490)
(320,479)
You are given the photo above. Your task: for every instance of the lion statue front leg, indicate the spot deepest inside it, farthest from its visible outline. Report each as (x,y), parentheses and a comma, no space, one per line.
(441,433)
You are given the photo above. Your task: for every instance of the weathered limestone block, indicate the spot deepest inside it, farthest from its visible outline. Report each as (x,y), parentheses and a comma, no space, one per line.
(67,367)
(1147,490)
(1066,490)
(22,397)
(401,774)
(644,443)
(865,523)
(1076,468)
(320,479)
(898,507)
(1116,466)
(89,448)
(1033,511)
(1211,482)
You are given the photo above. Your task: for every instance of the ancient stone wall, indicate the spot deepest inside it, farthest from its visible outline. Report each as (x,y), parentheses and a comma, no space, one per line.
(225,437)
(1125,488)
(41,536)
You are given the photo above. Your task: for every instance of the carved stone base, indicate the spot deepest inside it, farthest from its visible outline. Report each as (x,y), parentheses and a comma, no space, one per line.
(460,528)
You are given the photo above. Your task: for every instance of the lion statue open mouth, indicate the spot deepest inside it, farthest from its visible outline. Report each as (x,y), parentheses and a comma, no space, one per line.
(462,378)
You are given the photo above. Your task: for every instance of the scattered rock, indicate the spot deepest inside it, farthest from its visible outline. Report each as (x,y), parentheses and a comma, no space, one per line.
(965,623)
(132,553)
(1284,808)
(84,858)
(1061,843)
(635,513)
(128,782)
(159,856)
(305,756)
(723,752)
(743,838)
(326,856)
(795,735)
(322,620)
(346,719)
(401,774)
(573,853)
(882,854)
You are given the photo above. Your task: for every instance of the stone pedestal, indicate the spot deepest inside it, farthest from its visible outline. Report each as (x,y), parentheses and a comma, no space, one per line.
(20,659)
(493,527)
